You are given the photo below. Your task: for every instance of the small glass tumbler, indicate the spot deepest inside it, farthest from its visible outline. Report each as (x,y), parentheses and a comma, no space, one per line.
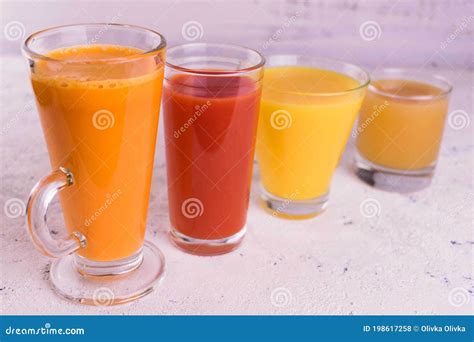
(400,129)
(307,111)
(211,100)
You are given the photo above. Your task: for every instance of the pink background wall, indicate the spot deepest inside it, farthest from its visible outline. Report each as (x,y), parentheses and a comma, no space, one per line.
(415,33)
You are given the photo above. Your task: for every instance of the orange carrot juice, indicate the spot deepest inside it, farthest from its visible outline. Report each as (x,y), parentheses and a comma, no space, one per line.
(100,117)
(401,124)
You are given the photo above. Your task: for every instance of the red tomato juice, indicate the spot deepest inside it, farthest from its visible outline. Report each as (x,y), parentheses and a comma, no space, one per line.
(210,130)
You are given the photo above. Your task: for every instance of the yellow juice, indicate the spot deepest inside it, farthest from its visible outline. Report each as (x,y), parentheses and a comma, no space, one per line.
(306,116)
(401,124)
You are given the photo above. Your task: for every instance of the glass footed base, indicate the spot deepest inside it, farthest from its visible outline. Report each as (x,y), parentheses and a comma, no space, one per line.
(110,283)
(206,247)
(292,209)
(392,180)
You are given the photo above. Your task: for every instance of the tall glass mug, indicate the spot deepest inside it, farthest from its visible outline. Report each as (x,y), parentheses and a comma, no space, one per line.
(211,98)
(98,92)
(400,129)
(308,108)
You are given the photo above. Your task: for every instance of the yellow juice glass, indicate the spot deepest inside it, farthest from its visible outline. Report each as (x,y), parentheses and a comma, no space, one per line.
(400,129)
(307,111)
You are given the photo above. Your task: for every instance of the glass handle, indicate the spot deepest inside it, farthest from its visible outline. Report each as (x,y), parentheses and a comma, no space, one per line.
(38,202)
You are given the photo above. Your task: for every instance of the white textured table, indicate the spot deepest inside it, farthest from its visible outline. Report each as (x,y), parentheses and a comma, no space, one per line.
(414,256)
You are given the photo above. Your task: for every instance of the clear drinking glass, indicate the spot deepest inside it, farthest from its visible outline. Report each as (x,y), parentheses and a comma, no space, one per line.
(400,129)
(211,99)
(98,92)
(307,111)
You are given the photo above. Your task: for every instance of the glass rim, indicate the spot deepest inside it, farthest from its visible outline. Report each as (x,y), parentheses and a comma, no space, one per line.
(363,84)
(29,52)
(405,72)
(206,72)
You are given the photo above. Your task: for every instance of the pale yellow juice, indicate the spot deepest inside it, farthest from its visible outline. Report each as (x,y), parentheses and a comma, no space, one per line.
(306,117)
(401,124)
